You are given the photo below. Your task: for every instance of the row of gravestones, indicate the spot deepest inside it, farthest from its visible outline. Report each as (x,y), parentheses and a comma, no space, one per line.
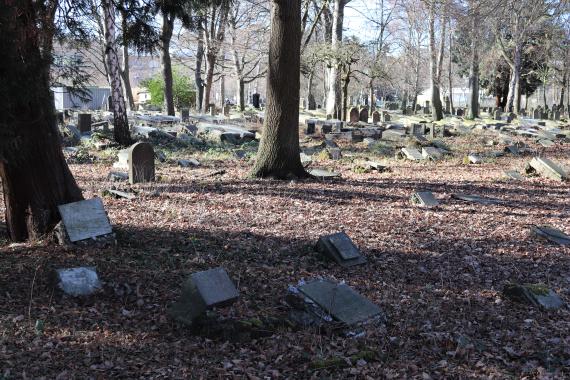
(355,115)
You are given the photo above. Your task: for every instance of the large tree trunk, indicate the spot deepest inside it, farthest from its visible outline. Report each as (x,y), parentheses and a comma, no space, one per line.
(371,98)
(512,104)
(35,176)
(211,56)
(198,73)
(120,120)
(241,94)
(125,69)
(437,111)
(562,88)
(165,37)
(222,91)
(474,68)
(450,72)
(334,90)
(279,153)
(311,103)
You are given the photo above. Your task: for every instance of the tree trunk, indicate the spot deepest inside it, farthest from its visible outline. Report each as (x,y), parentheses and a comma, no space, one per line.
(120,120)
(198,73)
(279,153)
(450,72)
(437,112)
(346,82)
(210,62)
(35,176)
(512,104)
(241,94)
(371,96)
(222,92)
(311,103)
(334,90)
(562,88)
(474,69)
(125,69)
(165,37)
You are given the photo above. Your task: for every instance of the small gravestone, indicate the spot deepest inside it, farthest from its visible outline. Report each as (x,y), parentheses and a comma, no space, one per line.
(141,163)
(323,174)
(363,116)
(375,117)
(76,282)
(185,114)
(551,234)
(354,115)
(432,131)
(341,302)
(537,295)
(545,167)
(85,219)
(424,198)
(335,153)
(546,143)
(119,194)
(117,176)
(432,153)
(474,159)
(459,112)
(227,109)
(412,154)
(536,114)
(84,122)
(513,174)
(417,129)
(341,249)
(556,115)
(512,149)
(385,117)
(311,126)
(476,199)
(203,291)
(497,114)
(188,163)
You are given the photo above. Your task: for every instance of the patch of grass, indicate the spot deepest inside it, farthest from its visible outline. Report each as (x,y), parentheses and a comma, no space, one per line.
(359,169)
(323,155)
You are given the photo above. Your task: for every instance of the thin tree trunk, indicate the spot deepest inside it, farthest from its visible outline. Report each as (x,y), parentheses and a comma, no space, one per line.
(279,152)
(562,88)
(210,62)
(241,94)
(311,103)
(120,120)
(222,91)
(512,104)
(474,68)
(198,72)
(345,97)
(334,90)
(35,176)
(371,96)
(125,69)
(437,111)
(165,37)
(450,73)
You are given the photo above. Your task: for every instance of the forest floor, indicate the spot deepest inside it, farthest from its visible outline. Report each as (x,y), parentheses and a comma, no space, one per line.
(437,273)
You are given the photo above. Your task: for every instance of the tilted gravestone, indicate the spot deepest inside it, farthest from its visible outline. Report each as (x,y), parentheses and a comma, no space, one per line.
(432,153)
(424,198)
(341,302)
(203,291)
(545,167)
(412,154)
(375,117)
(552,234)
(537,295)
(341,249)
(513,174)
(85,219)
(363,116)
(141,163)
(354,115)
(84,122)
(76,282)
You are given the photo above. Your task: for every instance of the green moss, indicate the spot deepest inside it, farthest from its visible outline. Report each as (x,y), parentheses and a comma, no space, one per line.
(358,169)
(538,289)
(323,155)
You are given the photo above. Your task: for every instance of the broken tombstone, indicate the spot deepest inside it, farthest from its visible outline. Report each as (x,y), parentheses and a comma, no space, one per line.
(341,249)
(411,154)
(76,282)
(512,149)
(432,153)
(203,291)
(537,295)
(424,198)
(546,143)
(119,194)
(117,176)
(323,174)
(188,163)
(513,174)
(551,234)
(474,159)
(545,167)
(83,220)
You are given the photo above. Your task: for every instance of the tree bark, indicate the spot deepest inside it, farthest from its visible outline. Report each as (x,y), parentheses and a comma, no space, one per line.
(120,120)
(198,73)
(279,152)
(474,68)
(125,69)
(334,90)
(562,88)
(210,63)
(450,72)
(35,176)
(437,111)
(512,104)
(241,94)
(165,37)
(222,91)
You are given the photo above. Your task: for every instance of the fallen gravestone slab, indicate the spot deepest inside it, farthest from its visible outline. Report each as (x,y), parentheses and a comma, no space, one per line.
(82,281)
(512,149)
(117,176)
(341,249)
(537,295)
(441,146)
(474,159)
(546,143)
(340,301)
(202,291)
(85,219)
(411,154)
(432,153)
(513,174)
(119,194)
(551,234)
(424,198)
(476,199)
(377,166)
(188,163)
(546,168)
(323,174)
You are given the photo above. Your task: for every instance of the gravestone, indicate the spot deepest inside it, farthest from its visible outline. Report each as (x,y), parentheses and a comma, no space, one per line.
(537,295)
(255,100)
(227,109)
(513,174)
(556,115)
(323,174)
(203,291)
(536,114)
(185,114)
(375,117)
(546,143)
(85,219)
(341,249)
(426,111)
(363,116)
(476,199)
(385,117)
(459,112)
(552,234)
(497,114)
(512,149)
(212,109)
(474,159)
(424,198)
(432,153)
(84,122)
(412,154)
(311,126)
(76,282)
(547,168)
(432,131)
(354,115)
(341,301)
(141,163)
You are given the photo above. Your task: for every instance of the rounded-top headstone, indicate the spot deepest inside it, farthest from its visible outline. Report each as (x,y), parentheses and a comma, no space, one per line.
(141,163)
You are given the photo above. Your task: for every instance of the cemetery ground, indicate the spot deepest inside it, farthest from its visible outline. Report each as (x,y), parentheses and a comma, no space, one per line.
(437,273)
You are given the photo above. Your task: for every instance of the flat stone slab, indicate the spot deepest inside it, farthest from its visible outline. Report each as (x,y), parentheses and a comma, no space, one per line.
(341,249)
(513,174)
(432,153)
(546,168)
(340,301)
(551,234)
(424,198)
(475,158)
(412,154)
(81,281)
(512,149)
(537,295)
(476,199)
(321,173)
(120,194)
(546,143)
(85,219)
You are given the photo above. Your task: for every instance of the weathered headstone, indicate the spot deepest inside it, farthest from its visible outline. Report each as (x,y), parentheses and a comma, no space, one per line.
(311,126)
(202,291)
(354,115)
(537,295)
(76,282)
(141,163)
(85,219)
(341,302)
(536,114)
(385,117)
(256,100)
(513,174)
(323,174)
(341,249)
(497,114)
(375,117)
(474,159)
(412,154)
(459,112)
(431,153)
(84,122)
(363,115)
(424,198)
(547,168)
(185,114)
(551,234)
